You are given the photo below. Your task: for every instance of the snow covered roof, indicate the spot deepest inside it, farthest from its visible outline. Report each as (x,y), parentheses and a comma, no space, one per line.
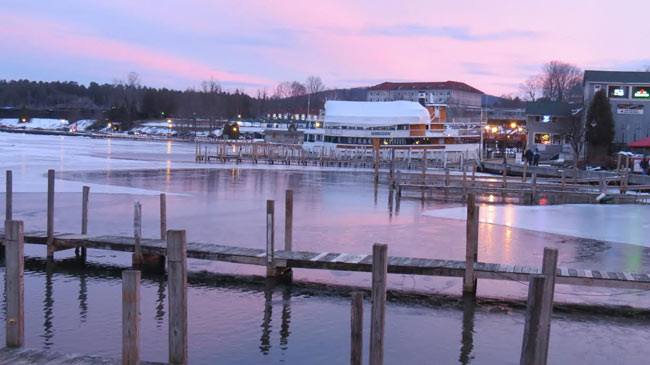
(374,113)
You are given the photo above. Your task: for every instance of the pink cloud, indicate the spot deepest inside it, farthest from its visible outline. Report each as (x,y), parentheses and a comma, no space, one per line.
(32,34)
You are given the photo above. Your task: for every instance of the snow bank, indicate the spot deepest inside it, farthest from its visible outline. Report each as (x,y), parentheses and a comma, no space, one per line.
(613,223)
(36,123)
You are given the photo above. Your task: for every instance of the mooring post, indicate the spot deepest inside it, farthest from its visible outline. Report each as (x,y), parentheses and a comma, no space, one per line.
(131,317)
(377,164)
(534,196)
(505,175)
(177,284)
(563,180)
(471,244)
(446,176)
(618,163)
(424,164)
(85,192)
(473,172)
(288,220)
(533,348)
(391,177)
(137,233)
(523,176)
(8,196)
(378,312)
(356,330)
(549,270)
(270,237)
(14,267)
(50,214)
(163,216)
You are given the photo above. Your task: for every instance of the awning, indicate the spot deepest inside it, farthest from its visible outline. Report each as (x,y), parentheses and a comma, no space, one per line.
(642,143)
(374,113)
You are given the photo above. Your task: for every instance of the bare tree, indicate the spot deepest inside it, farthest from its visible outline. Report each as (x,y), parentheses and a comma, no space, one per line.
(283,90)
(574,133)
(210,86)
(314,84)
(210,90)
(560,80)
(531,88)
(297,89)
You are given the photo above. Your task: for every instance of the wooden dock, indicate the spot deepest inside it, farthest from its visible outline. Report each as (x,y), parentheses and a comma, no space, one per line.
(344,261)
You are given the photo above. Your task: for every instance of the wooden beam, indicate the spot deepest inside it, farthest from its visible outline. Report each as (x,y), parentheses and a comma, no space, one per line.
(288,220)
(50,214)
(14,281)
(471,243)
(549,270)
(356,330)
(177,284)
(137,234)
(378,313)
(533,350)
(163,216)
(8,195)
(130,317)
(270,237)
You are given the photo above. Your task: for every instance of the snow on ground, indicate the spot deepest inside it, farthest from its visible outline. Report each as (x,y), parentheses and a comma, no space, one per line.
(613,223)
(83,124)
(34,123)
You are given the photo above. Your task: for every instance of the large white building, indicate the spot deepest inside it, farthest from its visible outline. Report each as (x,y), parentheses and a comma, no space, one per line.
(451,93)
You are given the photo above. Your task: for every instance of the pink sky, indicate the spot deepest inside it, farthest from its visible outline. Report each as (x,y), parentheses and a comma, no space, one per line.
(492,46)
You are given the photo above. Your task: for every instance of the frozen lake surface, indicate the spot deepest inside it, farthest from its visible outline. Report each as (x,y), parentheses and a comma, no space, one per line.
(605,222)
(71,307)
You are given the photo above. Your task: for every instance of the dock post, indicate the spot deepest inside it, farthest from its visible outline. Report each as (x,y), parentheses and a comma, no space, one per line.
(534,188)
(424,163)
(532,349)
(163,216)
(446,176)
(471,243)
(50,214)
(356,330)
(85,192)
(549,270)
(473,172)
(137,234)
(505,175)
(618,163)
(377,161)
(288,220)
(523,176)
(130,317)
(563,180)
(14,267)
(8,196)
(378,313)
(391,179)
(270,238)
(177,284)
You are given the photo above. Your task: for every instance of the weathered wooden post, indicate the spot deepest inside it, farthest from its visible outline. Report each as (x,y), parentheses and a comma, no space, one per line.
(377,160)
(391,179)
(163,216)
(356,330)
(549,270)
(473,172)
(137,234)
(533,348)
(424,164)
(505,175)
(8,196)
(288,220)
(563,180)
(618,162)
(131,317)
(378,312)
(177,284)
(471,244)
(50,214)
(534,188)
(85,192)
(523,176)
(446,177)
(270,238)
(14,267)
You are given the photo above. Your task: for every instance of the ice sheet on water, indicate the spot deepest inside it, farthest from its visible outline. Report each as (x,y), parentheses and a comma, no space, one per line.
(613,223)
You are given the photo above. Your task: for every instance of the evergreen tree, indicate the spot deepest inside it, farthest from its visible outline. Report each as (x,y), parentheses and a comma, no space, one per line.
(600,122)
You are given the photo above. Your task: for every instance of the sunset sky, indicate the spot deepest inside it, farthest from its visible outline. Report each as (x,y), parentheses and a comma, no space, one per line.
(491,45)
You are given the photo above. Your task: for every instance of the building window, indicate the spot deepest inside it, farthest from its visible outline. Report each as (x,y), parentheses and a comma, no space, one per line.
(617,91)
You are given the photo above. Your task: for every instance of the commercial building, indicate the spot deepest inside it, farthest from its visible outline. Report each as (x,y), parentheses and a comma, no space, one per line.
(549,123)
(629,95)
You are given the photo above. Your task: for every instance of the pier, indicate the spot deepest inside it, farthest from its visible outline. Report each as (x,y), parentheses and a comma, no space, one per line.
(170,252)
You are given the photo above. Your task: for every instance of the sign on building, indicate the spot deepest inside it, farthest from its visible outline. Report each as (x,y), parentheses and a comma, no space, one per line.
(629,109)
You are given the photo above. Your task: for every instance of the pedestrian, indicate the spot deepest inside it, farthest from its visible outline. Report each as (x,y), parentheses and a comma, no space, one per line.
(536,157)
(644,165)
(529,157)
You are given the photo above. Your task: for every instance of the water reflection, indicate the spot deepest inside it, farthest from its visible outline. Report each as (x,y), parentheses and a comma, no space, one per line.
(267,319)
(160,302)
(467,336)
(48,305)
(83,297)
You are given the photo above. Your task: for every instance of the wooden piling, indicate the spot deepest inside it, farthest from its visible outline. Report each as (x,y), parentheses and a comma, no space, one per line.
(549,270)
(137,233)
(356,330)
(163,216)
(505,175)
(534,188)
(130,317)
(471,244)
(533,350)
(50,214)
(177,286)
(523,176)
(377,161)
(85,192)
(270,237)
(8,195)
(288,220)
(14,281)
(563,180)
(378,312)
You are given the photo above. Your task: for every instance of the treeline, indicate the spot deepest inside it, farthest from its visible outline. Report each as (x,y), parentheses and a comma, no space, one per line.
(126,101)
